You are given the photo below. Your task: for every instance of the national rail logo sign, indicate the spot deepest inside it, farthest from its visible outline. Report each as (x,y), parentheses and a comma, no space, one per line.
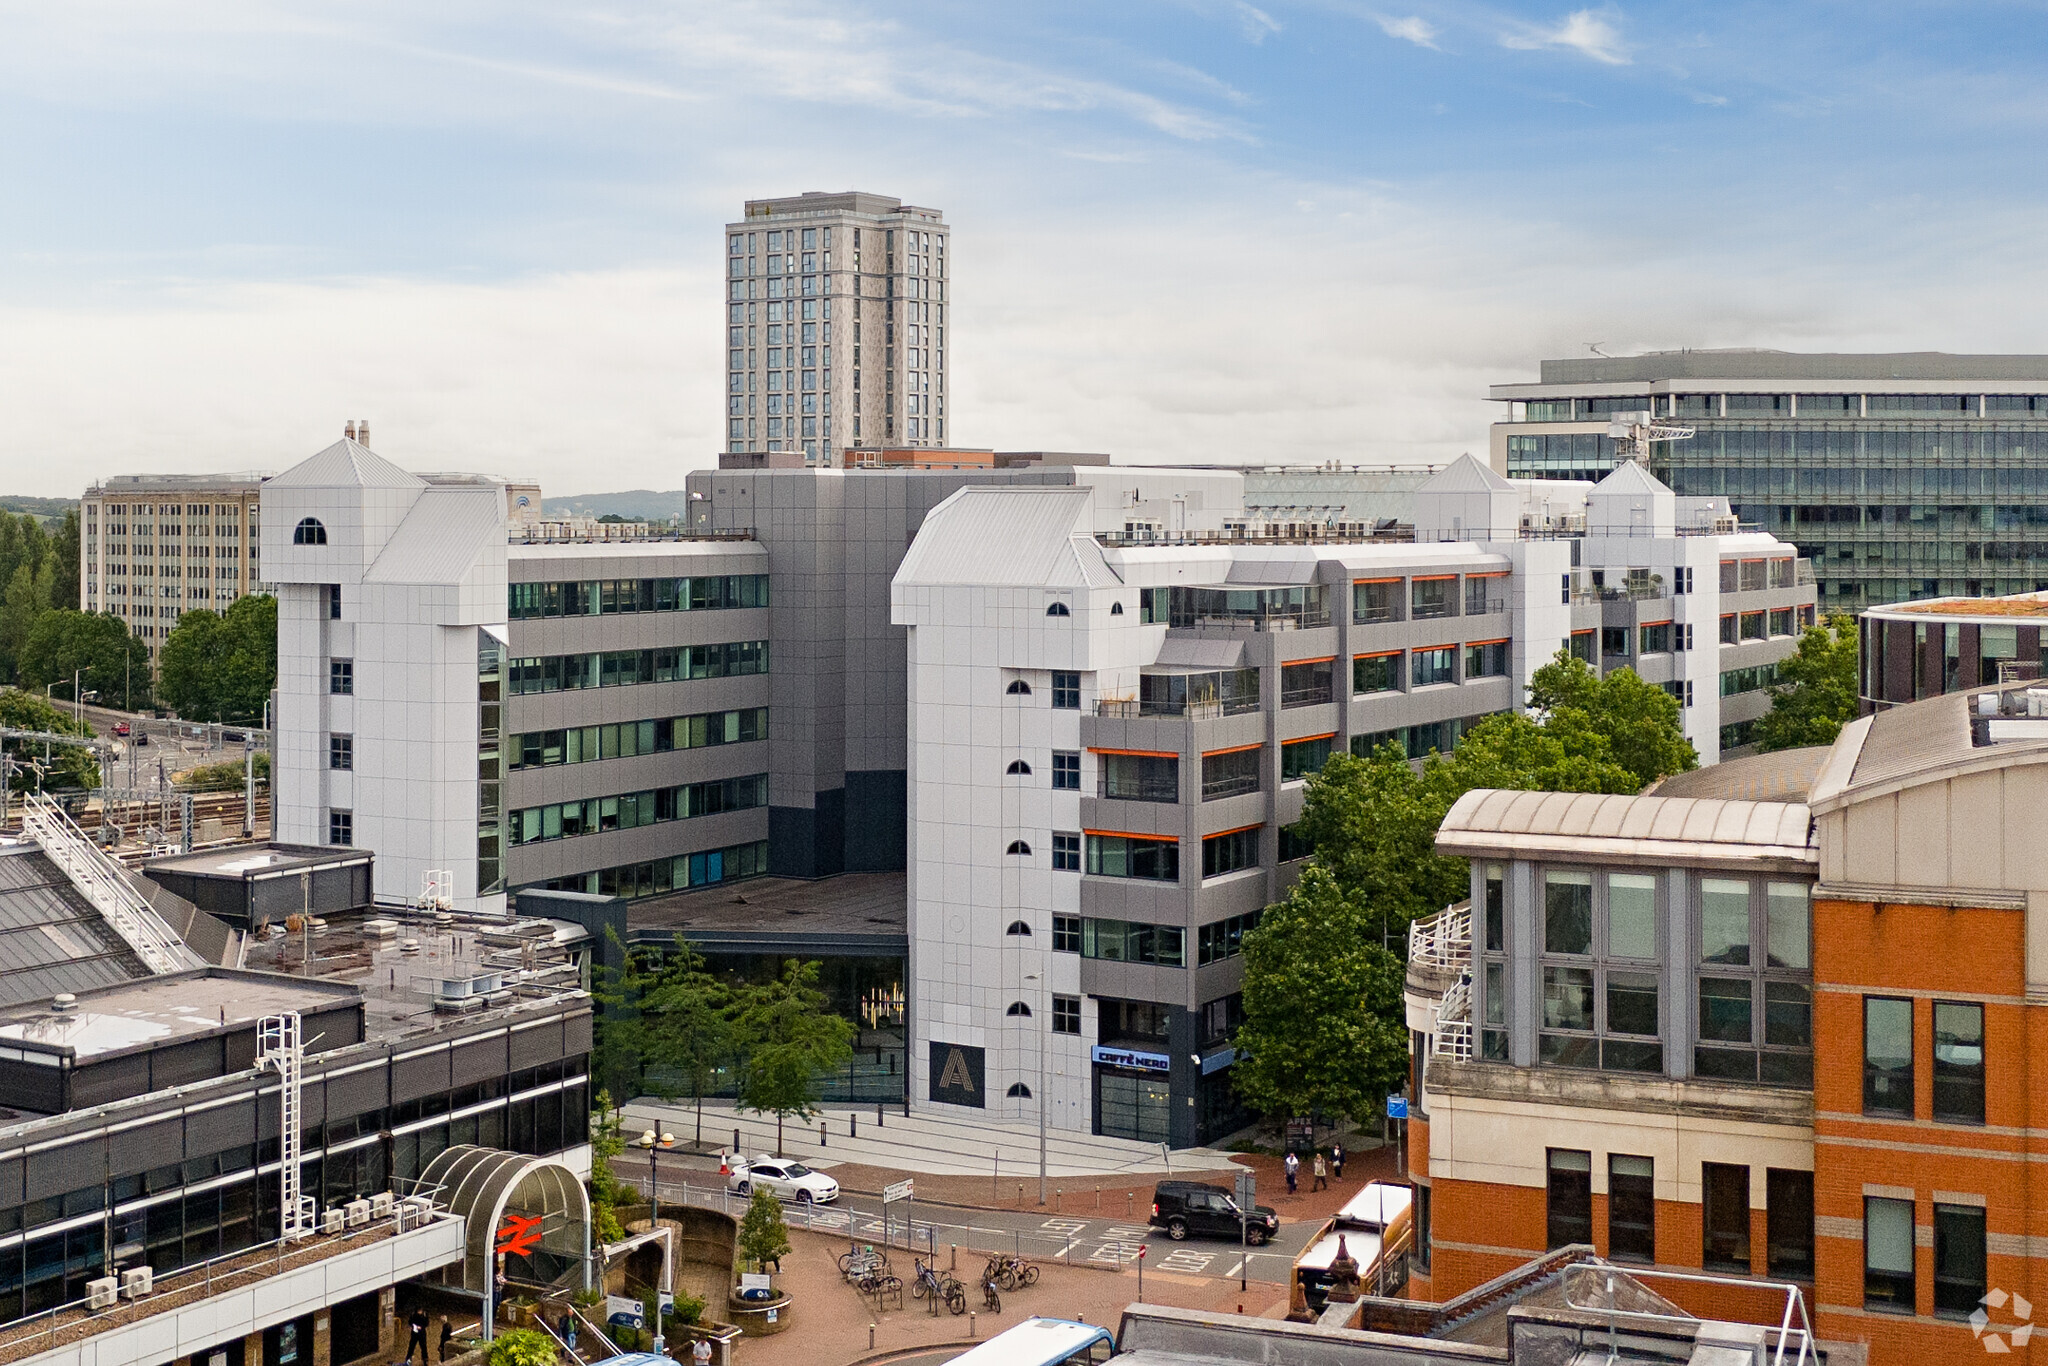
(519,1234)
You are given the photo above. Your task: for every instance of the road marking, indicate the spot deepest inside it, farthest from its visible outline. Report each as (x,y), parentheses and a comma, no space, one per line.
(1196,1263)
(1115,1252)
(1236,1268)
(1065,1225)
(1138,1231)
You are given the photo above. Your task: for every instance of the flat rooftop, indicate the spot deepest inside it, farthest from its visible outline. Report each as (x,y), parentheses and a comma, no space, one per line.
(1886,368)
(1784,775)
(2030,606)
(159,1010)
(853,913)
(259,860)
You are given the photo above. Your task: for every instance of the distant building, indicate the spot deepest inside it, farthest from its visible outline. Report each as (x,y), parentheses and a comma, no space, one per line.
(860,274)
(1911,650)
(154,546)
(1900,476)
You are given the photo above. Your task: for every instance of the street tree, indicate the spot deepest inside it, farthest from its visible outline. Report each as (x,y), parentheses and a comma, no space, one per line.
(1324,1031)
(763,1235)
(68,766)
(1639,721)
(95,648)
(64,561)
(791,1038)
(26,601)
(688,1032)
(221,666)
(1816,692)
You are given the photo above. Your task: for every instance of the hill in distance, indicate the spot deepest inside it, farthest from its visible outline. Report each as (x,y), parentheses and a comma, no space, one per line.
(635,505)
(48,510)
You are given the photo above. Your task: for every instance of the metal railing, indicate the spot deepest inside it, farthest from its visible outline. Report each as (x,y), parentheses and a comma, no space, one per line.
(1235,786)
(99,878)
(1454,1022)
(1132,709)
(1443,940)
(1799,1337)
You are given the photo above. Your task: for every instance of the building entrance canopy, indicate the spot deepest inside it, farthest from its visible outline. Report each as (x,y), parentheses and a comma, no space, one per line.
(531,1211)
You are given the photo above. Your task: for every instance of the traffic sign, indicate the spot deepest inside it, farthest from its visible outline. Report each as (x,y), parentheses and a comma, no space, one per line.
(899,1190)
(1247,1188)
(1397,1107)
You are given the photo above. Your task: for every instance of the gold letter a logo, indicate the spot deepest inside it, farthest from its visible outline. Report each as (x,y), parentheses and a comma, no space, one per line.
(955,1073)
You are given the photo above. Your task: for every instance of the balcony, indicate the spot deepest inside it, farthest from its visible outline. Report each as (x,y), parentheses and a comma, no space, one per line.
(1132,709)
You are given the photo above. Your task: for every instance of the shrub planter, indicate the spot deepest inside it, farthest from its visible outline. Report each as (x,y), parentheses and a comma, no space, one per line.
(759,1318)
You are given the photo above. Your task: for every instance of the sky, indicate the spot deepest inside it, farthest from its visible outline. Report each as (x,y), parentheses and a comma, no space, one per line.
(1201,230)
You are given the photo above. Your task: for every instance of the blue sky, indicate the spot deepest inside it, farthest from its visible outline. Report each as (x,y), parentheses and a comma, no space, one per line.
(1206,230)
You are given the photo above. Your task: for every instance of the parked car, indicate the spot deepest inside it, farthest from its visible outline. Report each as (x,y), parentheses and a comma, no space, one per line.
(120,728)
(233,737)
(783,1178)
(1189,1207)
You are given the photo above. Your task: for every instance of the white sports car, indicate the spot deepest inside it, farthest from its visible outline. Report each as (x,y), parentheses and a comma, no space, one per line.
(784,1178)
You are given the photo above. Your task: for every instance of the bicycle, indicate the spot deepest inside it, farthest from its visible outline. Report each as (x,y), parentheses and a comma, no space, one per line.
(929,1282)
(1011,1271)
(861,1261)
(990,1300)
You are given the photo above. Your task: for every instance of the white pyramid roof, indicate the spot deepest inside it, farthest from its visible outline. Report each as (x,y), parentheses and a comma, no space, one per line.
(346,464)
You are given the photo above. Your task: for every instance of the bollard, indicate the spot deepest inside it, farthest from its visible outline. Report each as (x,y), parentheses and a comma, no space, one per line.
(821,1133)
(871,1333)
(1020,1195)
(1130,1202)
(853,1126)
(1056,1194)
(878,1116)
(970,1323)
(1098,1199)
(954,1264)
(735,1140)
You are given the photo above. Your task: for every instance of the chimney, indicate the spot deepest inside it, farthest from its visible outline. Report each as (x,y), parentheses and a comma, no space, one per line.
(349,431)
(363,432)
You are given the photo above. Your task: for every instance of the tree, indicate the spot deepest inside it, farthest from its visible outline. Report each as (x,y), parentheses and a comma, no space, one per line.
(607,1192)
(764,1237)
(70,766)
(96,645)
(226,776)
(522,1347)
(27,600)
(1639,721)
(1816,692)
(221,667)
(1324,1027)
(64,558)
(791,1036)
(687,1027)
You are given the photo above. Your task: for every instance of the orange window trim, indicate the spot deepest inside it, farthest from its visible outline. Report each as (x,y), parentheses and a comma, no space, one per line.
(1142,753)
(1725,616)
(1234,830)
(1502,641)
(1133,835)
(1587,632)
(1423,649)
(1753,561)
(1319,659)
(1379,654)
(1234,749)
(1665,622)
(1433,578)
(1488,574)
(1392,580)
(1309,739)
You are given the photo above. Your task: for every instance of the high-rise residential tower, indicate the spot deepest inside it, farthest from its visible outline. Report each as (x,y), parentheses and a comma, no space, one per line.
(860,274)
(154,546)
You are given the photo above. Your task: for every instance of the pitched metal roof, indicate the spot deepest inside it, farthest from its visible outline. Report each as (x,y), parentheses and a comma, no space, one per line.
(51,938)
(1466,474)
(1009,536)
(346,465)
(1601,827)
(441,536)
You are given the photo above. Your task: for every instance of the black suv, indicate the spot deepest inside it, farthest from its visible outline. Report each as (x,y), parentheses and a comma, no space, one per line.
(1184,1207)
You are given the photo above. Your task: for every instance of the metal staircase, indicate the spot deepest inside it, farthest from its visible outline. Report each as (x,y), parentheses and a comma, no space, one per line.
(100,879)
(1454,1022)
(279,1045)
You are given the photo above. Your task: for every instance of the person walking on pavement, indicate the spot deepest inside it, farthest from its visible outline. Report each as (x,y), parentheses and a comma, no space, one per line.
(1322,1175)
(569,1331)
(700,1352)
(447,1339)
(417,1325)
(1292,1166)
(1337,1160)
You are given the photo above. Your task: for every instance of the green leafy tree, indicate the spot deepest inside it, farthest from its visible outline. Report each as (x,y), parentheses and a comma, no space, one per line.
(64,560)
(687,1027)
(1816,692)
(22,541)
(69,766)
(27,601)
(221,667)
(791,1038)
(764,1237)
(96,648)
(607,1192)
(522,1347)
(1639,721)
(225,776)
(1324,1027)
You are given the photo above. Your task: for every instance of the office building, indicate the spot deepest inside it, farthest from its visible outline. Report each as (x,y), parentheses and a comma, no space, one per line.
(152,547)
(1911,650)
(1774,1023)
(1900,476)
(861,273)
(1109,735)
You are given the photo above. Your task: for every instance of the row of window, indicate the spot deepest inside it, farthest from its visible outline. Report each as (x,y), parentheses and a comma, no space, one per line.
(1426,598)
(1782,405)
(627,739)
(680,873)
(617,668)
(1418,742)
(605,597)
(1956,1039)
(1724,1210)
(631,810)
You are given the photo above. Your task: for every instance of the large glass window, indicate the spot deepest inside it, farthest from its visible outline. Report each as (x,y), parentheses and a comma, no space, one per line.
(1959,1062)
(1568,1203)
(1888,1254)
(1376,673)
(1567,912)
(1959,1259)
(1231,851)
(1066,691)
(1436,597)
(1788,1224)
(1789,917)
(1299,758)
(1431,666)
(1125,941)
(1224,939)
(1139,777)
(1887,1056)
(1724,921)
(1306,683)
(1631,1208)
(1232,772)
(1377,601)
(1136,856)
(1724,1214)
(1486,659)
(1631,915)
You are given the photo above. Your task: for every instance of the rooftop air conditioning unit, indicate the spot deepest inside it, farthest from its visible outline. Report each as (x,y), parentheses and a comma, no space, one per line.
(1725,524)
(103,1293)
(332,1219)
(380,1205)
(357,1212)
(136,1282)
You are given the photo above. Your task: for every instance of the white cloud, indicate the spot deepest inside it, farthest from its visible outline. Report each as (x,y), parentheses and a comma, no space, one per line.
(1583,31)
(1255,23)
(1414,29)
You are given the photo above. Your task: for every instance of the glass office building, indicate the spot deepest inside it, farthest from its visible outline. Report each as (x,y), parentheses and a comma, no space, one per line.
(1900,476)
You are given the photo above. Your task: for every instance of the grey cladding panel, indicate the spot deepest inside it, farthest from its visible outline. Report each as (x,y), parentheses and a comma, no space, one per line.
(10,1182)
(356,1093)
(75,1166)
(112,1080)
(478,1060)
(220,1128)
(576,1035)
(536,1045)
(425,1075)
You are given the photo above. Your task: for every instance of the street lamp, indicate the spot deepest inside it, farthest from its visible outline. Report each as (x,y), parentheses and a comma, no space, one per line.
(649,1141)
(1043,1044)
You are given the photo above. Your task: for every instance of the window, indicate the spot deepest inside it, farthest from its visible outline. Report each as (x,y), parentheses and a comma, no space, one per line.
(1479,594)
(1066,853)
(1231,851)
(1232,772)
(309,532)
(1959,1270)
(1018,1091)
(1567,912)
(1066,1015)
(1568,1201)
(341,827)
(1058,609)
(1066,770)
(1019,767)
(1307,682)
(1116,609)
(1887,1056)
(1429,598)
(1788,915)
(1781,621)
(1496,908)
(1376,673)
(1019,847)
(1066,691)
(1156,860)
(1724,921)
(1124,941)
(341,677)
(1377,601)
(1299,758)
(334,602)
(1728,629)
(1223,939)
(341,751)
(1018,688)
(1066,934)
(1754,625)
(1755,575)
(1788,1224)
(1724,1213)
(1582,647)
(1138,777)
(1018,1010)
(1293,844)
(1958,1062)
(1888,1254)
(1432,666)
(1614,641)
(1018,927)
(1486,659)
(1654,639)
(1631,1208)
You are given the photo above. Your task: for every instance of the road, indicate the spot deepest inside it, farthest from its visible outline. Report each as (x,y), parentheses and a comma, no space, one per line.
(1110,1238)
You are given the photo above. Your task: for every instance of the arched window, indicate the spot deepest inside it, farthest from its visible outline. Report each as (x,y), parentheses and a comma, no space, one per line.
(309,532)
(1018,766)
(1116,609)
(1019,1091)
(1018,688)
(1058,609)
(1018,847)
(1018,1008)
(1019,927)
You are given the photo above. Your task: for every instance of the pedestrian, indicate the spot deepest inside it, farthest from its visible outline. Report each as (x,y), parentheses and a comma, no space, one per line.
(1293,1168)
(1337,1160)
(1322,1174)
(417,1337)
(447,1338)
(569,1331)
(700,1352)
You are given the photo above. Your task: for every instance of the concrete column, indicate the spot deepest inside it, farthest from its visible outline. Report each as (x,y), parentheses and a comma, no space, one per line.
(387,1322)
(323,1339)
(252,1349)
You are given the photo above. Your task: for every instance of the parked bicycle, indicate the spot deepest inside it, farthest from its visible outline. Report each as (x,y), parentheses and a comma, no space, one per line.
(1010,1271)
(990,1300)
(859,1262)
(929,1282)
